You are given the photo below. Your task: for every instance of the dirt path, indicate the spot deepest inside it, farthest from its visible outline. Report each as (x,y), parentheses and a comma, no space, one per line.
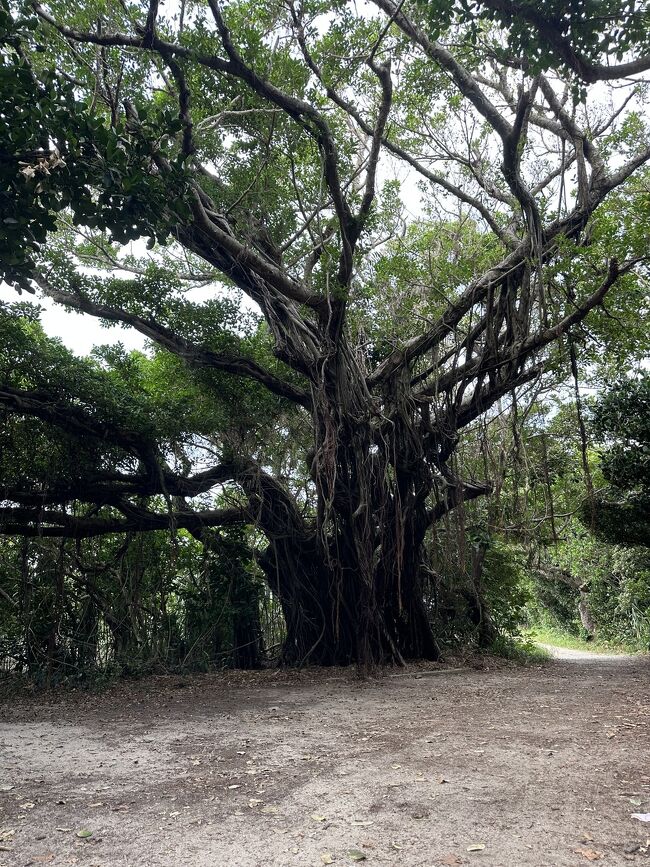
(542,766)
(568,654)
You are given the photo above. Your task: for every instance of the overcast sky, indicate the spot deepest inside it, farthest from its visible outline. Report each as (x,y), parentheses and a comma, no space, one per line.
(78,331)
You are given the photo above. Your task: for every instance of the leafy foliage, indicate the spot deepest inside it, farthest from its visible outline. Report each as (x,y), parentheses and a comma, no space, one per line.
(621,420)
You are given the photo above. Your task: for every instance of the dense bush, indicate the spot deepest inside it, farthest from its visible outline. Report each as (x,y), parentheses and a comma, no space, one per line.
(154,602)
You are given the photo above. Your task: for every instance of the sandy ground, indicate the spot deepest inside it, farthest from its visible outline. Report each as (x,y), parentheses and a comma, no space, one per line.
(539,766)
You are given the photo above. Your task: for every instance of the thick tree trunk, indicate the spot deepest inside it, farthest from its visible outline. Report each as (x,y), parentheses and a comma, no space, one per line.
(351,591)
(331,619)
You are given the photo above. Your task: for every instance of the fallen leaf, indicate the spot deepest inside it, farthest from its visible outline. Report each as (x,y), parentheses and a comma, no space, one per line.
(7,833)
(63,829)
(356,855)
(327,858)
(589,854)
(476,847)
(235,786)
(318,818)
(269,810)
(42,859)
(642,817)
(359,824)
(6,787)
(450,860)
(443,780)
(84,833)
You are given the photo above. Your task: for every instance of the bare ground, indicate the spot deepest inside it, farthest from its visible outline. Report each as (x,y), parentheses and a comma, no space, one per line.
(542,766)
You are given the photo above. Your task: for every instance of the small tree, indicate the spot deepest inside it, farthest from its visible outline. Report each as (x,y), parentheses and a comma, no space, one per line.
(621,421)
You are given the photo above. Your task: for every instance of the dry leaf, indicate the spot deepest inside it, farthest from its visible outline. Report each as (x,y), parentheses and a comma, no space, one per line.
(476,847)
(589,854)
(450,860)
(318,818)
(327,858)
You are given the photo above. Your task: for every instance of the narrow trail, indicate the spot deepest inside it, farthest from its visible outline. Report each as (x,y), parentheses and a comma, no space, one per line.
(570,655)
(541,766)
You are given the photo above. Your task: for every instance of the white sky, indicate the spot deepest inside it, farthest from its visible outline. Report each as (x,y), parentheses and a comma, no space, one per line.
(78,331)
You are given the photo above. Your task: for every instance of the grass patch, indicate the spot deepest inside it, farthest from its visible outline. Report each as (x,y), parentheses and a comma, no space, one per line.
(559,638)
(521,649)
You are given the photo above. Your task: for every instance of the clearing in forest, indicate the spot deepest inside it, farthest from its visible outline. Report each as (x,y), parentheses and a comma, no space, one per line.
(500,766)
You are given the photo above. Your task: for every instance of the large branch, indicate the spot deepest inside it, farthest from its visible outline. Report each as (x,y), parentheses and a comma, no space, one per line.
(455,494)
(191,353)
(42,522)
(569,227)
(519,352)
(306,115)
(74,419)
(243,256)
(466,83)
(318,127)
(124,40)
(268,504)
(112,488)
(507,237)
(586,70)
